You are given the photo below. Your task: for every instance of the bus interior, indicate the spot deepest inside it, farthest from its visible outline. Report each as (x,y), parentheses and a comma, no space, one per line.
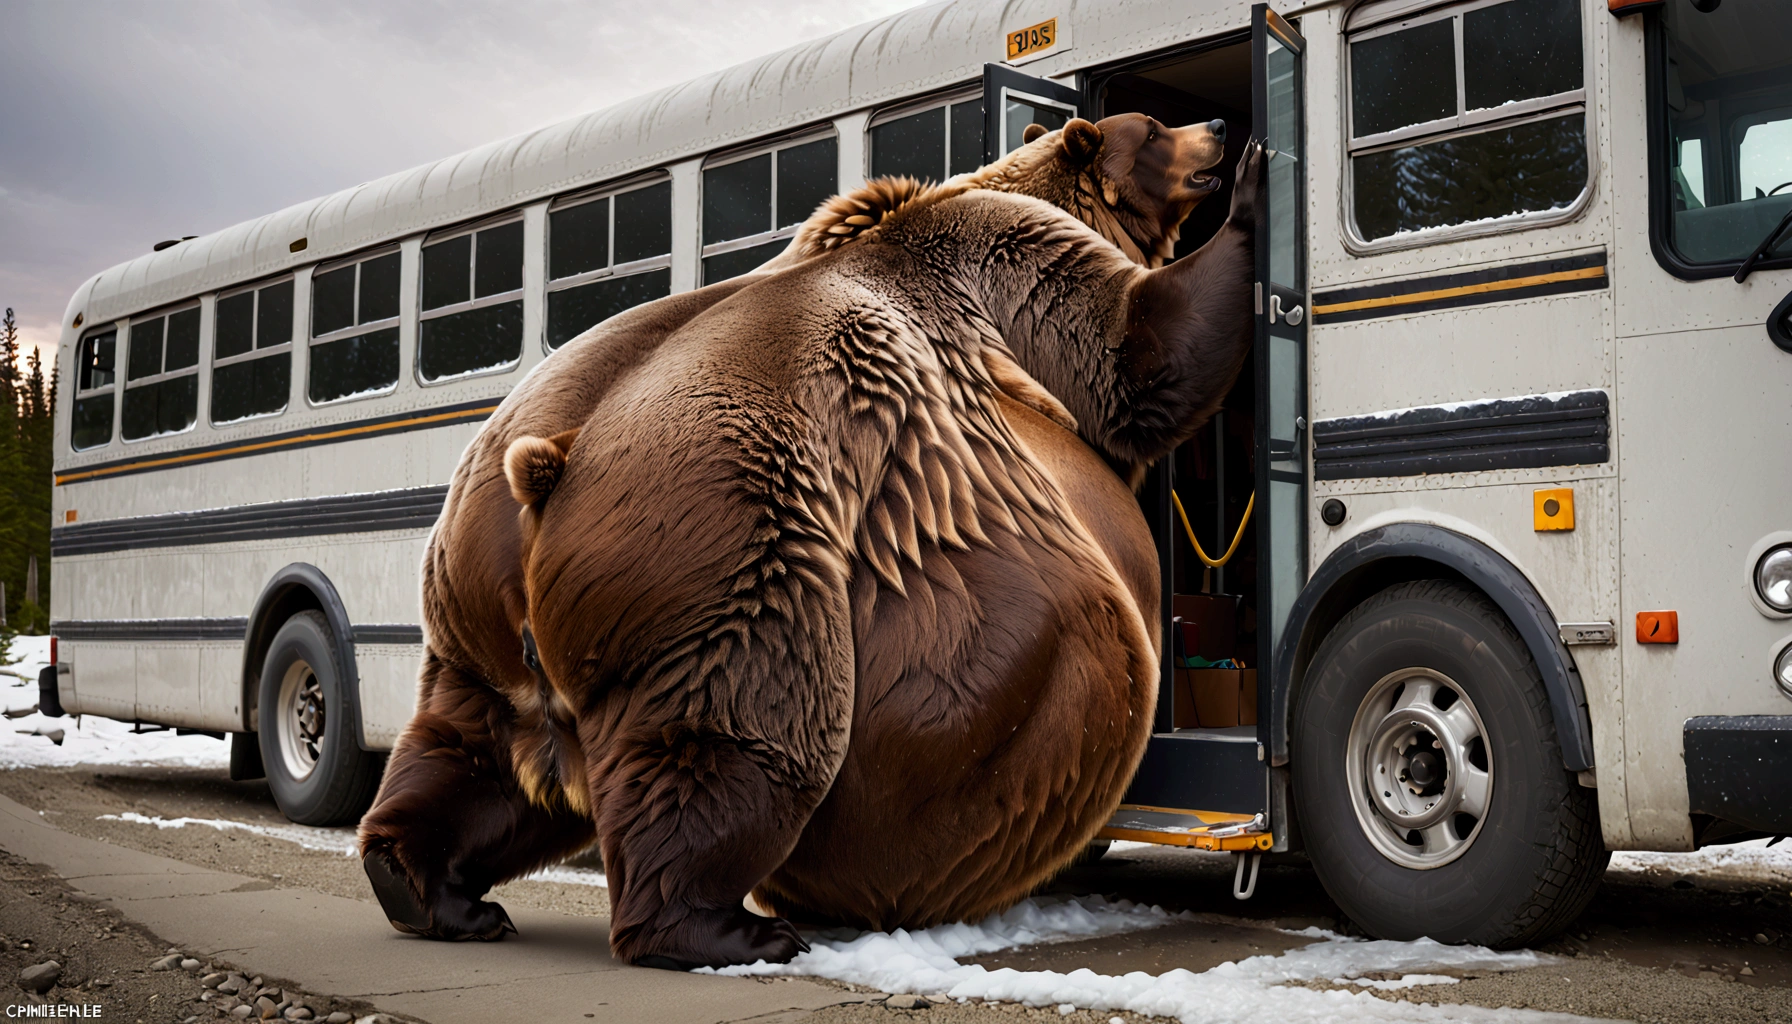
(1211,619)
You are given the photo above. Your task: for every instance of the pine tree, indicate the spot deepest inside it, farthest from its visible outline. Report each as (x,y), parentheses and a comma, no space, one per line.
(36,433)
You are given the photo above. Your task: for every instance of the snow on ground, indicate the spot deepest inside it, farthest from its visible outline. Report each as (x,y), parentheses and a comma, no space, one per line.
(1751,863)
(1254,989)
(27,741)
(336,840)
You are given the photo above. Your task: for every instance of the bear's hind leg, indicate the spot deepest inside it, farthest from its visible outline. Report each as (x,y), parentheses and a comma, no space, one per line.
(451,821)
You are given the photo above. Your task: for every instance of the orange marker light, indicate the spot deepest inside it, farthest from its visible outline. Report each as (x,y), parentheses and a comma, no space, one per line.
(1657,627)
(69,516)
(1552,508)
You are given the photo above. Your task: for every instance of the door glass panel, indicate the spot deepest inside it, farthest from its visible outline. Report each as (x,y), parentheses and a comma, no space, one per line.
(1020,111)
(1520,50)
(1402,78)
(1284,398)
(1287,543)
(1284,164)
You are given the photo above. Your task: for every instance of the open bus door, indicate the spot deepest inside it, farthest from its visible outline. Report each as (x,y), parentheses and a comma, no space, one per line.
(1211,788)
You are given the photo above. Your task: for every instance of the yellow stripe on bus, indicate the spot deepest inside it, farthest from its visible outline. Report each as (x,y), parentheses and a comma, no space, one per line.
(1467,289)
(254,446)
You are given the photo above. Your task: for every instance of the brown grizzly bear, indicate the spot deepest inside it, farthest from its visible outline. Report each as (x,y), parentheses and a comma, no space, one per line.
(761,519)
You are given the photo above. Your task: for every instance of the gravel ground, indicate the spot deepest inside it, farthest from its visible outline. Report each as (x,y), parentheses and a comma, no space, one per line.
(1650,949)
(102,960)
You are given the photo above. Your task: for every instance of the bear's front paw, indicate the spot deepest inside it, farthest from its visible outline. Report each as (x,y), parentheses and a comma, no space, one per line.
(1247,189)
(453,916)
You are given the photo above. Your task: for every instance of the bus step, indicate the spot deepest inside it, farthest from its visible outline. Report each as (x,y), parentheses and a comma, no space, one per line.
(1201,830)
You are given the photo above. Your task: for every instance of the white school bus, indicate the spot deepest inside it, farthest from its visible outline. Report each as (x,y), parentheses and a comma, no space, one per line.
(1484,570)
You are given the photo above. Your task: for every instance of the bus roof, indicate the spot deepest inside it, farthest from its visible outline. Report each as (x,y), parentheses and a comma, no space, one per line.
(901,56)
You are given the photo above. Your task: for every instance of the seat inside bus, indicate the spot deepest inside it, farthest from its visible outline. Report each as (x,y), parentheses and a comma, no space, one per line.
(1214,472)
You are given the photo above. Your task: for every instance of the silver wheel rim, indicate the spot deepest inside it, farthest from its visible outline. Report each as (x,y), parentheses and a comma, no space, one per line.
(1420,769)
(299,723)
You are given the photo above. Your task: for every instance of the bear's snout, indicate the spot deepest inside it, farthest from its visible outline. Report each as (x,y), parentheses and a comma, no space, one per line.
(1218,127)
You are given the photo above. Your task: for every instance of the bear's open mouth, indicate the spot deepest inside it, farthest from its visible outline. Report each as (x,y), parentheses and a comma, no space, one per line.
(1203,182)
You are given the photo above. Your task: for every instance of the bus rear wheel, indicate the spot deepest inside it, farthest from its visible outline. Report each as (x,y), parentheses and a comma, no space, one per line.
(315,767)
(1428,779)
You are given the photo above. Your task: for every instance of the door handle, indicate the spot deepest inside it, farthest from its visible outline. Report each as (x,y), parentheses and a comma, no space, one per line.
(1292,316)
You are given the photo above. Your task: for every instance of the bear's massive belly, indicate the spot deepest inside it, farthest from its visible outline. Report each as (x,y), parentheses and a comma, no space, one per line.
(1000,709)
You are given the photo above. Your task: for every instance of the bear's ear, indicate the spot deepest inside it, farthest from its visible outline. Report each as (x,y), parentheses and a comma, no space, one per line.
(533,465)
(1081,140)
(1032,134)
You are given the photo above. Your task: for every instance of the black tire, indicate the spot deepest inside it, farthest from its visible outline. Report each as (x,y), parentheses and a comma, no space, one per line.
(315,766)
(1523,868)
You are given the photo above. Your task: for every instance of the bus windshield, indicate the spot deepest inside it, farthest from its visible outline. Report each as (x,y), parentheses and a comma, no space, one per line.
(1728,105)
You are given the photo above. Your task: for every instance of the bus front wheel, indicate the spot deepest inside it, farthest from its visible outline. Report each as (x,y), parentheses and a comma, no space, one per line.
(1428,779)
(315,767)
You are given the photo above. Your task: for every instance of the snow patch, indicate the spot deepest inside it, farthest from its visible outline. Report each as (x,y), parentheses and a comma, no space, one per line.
(336,840)
(329,840)
(1749,863)
(26,740)
(1254,989)
(1388,414)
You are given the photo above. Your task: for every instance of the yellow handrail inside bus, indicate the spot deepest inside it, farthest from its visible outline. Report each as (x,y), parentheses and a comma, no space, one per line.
(1236,537)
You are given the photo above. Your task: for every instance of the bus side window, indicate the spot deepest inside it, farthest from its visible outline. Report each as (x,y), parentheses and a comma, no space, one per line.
(161,388)
(753,204)
(354,330)
(931,144)
(252,353)
(1430,151)
(472,315)
(605,255)
(90,423)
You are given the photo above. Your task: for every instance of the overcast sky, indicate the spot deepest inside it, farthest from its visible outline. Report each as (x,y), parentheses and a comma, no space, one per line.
(122,124)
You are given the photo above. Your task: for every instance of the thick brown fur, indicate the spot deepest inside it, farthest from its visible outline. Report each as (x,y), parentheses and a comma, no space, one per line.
(1128,176)
(824,597)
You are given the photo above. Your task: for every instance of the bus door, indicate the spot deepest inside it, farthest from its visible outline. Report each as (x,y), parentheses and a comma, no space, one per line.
(1203,786)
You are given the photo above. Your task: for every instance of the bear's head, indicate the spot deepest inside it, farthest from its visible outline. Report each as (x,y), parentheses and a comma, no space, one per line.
(1130,177)
(1137,179)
